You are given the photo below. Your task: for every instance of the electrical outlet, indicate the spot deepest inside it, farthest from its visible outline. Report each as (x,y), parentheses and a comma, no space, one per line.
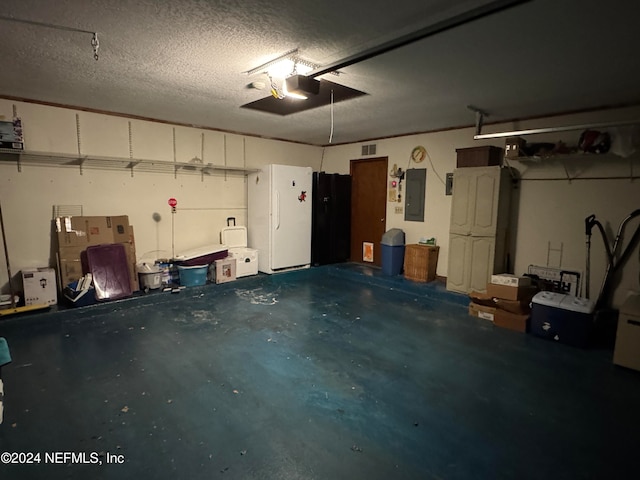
(399,210)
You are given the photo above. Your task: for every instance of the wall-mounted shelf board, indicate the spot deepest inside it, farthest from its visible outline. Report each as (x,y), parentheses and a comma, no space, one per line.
(568,162)
(49,159)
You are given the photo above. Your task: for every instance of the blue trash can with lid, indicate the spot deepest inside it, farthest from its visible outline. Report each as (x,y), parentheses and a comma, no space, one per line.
(392,246)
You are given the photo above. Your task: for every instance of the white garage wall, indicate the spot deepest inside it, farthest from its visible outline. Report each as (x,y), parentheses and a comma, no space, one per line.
(204,204)
(550,213)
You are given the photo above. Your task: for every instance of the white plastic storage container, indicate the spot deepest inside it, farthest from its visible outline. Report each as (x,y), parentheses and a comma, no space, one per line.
(150,276)
(564,318)
(235,238)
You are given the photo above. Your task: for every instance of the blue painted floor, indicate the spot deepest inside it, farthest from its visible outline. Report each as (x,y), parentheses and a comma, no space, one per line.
(334,372)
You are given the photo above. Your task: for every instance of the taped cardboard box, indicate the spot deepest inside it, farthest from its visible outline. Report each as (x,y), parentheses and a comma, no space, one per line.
(510,279)
(85,231)
(513,306)
(481,298)
(482,311)
(519,307)
(507,292)
(512,321)
(70,264)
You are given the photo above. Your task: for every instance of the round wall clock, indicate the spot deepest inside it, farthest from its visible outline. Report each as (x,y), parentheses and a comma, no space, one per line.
(418,154)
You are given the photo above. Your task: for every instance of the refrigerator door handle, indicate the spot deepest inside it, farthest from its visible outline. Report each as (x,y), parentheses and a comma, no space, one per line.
(277,210)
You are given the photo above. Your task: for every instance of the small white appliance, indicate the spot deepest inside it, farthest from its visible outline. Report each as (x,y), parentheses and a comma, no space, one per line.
(279,213)
(235,238)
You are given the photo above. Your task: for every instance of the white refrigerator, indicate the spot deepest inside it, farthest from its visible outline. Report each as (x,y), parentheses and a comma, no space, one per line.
(279,217)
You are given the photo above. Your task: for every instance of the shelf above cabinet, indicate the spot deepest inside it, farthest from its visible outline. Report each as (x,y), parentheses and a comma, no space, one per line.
(48,159)
(576,166)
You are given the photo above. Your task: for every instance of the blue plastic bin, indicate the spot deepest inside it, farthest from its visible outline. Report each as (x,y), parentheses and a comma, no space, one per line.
(193,276)
(392,246)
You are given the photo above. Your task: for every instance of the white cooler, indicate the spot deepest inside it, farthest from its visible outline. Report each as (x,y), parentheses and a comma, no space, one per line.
(235,238)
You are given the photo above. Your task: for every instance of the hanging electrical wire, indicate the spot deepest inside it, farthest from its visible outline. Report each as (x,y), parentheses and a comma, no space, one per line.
(321,160)
(434,169)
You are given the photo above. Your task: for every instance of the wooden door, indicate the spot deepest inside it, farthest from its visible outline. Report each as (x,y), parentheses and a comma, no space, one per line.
(368,206)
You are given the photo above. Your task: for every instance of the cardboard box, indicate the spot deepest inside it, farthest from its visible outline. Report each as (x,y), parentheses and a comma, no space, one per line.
(519,307)
(514,146)
(85,231)
(511,280)
(225,270)
(69,264)
(481,298)
(482,311)
(11,134)
(39,285)
(130,250)
(512,321)
(508,292)
(75,234)
(514,306)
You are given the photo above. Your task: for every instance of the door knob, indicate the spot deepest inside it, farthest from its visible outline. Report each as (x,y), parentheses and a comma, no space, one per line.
(382,219)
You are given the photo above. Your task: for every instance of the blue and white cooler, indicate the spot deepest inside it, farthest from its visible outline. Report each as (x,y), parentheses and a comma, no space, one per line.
(563,318)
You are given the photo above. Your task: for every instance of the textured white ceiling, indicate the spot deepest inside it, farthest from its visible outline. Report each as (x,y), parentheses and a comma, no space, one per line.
(182,61)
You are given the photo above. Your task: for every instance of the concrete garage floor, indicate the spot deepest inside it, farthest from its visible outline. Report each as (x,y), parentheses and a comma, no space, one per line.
(334,372)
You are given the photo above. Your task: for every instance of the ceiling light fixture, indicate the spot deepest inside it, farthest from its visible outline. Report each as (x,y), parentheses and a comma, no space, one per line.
(287,93)
(301,85)
(291,69)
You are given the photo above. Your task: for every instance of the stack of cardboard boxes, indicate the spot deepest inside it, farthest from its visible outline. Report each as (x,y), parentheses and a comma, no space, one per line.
(76,233)
(506,302)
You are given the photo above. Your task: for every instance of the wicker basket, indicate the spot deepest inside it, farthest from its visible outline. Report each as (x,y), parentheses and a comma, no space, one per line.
(420,262)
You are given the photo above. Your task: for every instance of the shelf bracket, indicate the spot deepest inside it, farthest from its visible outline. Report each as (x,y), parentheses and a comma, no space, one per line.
(175,168)
(132,164)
